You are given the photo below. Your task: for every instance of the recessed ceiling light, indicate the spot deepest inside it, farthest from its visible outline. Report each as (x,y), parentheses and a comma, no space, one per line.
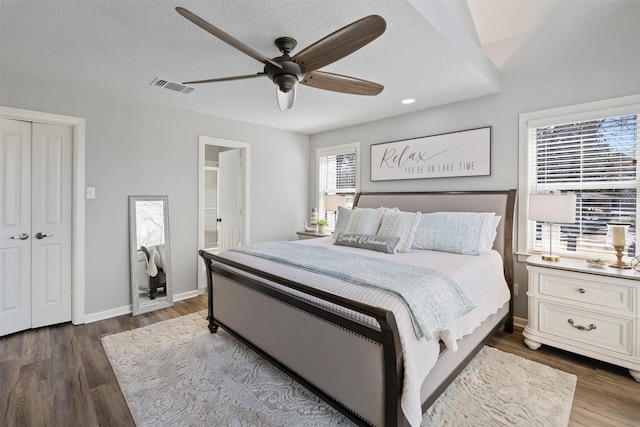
(408,101)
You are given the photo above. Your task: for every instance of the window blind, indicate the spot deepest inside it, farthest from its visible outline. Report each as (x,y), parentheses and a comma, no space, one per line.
(597,160)
(337,176)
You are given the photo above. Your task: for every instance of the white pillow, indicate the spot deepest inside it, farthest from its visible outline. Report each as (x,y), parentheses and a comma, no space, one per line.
(486,235)
(400,224)
(365,220)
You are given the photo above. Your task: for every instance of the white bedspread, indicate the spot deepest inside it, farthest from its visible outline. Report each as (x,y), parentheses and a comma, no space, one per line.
(480,277)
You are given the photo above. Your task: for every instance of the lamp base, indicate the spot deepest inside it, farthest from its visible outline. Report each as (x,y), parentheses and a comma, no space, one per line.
(551,257)
(619,263)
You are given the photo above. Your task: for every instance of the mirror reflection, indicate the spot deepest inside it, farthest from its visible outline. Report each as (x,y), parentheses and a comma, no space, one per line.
(150,260)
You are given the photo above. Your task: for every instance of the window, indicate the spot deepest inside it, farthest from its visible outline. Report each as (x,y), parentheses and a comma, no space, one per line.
(338,182)
(593,153)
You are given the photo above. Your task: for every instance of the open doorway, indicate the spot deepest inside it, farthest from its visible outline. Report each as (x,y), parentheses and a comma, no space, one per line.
(211,198)
(223,197)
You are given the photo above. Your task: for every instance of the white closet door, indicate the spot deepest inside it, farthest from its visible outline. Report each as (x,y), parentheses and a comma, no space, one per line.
(15,226)
(35,269)
(51,224)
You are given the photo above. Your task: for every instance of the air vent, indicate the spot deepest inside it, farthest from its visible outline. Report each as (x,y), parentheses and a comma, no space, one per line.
(176,87)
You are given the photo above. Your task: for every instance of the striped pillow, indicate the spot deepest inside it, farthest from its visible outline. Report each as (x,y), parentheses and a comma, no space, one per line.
(396,223)
(365,220)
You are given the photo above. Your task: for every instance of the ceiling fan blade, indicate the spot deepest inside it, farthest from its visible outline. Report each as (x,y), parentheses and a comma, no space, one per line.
(340,43)
(225,79)
(340,83)
(210,28)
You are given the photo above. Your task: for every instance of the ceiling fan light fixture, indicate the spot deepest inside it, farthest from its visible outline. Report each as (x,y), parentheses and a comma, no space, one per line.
(285,82)
(286,99)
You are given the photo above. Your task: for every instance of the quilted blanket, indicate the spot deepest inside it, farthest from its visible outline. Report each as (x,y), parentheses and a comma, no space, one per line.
(434,300)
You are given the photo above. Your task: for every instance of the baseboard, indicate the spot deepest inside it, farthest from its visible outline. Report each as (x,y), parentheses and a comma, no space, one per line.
(520,321)
(190,294)
(107,314)
(114,312)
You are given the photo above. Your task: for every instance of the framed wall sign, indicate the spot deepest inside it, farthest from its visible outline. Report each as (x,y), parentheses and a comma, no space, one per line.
(464,153)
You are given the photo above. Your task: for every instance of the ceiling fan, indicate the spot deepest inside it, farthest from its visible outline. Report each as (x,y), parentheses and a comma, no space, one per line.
(287,71)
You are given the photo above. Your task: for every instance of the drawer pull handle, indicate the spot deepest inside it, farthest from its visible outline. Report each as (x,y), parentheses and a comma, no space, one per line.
(582,290)
(580,327)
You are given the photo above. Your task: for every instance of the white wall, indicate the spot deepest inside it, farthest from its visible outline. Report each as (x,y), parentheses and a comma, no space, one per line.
(589,61)
(135,148)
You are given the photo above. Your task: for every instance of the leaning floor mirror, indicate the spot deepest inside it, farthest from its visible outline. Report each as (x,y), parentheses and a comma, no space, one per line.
(150,253)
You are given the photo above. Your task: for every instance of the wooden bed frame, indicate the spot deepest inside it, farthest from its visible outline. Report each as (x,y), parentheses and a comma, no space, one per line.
(355,368)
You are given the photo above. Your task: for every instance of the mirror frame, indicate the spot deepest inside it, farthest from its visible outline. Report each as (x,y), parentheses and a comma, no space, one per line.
(133,256)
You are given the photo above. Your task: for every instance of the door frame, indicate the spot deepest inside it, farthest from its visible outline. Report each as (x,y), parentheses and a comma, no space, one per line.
(203,141)
(78,126)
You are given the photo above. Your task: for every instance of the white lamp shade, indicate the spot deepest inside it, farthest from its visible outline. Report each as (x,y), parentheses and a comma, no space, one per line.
(552,207)
(332,201)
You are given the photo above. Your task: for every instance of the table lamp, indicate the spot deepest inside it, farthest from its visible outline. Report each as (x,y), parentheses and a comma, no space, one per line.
(552,208)
(331,203)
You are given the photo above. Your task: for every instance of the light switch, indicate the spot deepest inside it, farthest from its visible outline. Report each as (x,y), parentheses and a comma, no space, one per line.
(91,192)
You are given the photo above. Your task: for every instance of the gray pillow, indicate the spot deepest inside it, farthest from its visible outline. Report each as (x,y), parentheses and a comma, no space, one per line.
(343,220)
(368,241)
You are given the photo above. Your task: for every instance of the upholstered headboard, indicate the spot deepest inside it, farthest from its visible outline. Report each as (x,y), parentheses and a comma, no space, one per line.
(500,202)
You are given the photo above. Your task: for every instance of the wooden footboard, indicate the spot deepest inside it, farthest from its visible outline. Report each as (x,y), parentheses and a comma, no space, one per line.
(313,345)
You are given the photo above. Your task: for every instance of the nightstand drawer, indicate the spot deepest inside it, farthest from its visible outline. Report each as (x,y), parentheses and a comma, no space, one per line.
(606,332)
(587,291)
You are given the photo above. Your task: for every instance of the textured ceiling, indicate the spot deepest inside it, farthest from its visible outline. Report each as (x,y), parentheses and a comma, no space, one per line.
(428,52)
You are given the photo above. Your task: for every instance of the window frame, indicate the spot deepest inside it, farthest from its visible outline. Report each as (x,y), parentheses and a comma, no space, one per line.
(330,151)
(573,113)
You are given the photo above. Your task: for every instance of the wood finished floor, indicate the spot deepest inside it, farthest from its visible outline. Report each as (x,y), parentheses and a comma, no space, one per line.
(60,376)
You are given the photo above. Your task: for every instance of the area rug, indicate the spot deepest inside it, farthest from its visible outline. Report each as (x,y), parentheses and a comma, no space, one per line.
(176,373)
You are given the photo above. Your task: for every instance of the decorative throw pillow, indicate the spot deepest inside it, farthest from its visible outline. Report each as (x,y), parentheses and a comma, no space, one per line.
(396,223)
(343,220)
(365,220)
(456,232)
(368,241)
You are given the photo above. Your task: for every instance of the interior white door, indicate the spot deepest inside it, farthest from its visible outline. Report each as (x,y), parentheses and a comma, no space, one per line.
(15,226)
(51,224)
(36,272)
(230,196)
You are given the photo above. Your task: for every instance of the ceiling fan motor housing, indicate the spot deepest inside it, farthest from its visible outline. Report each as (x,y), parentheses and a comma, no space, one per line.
(290,73)
(287,77)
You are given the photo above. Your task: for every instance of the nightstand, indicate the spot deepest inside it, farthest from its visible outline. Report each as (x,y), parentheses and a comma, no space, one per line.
(311,235)
(591,311)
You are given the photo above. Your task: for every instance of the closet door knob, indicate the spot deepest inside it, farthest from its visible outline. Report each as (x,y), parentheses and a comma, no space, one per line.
(42,235)
(21,236)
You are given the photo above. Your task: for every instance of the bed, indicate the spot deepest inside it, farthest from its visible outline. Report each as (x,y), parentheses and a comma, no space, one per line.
(357,353)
